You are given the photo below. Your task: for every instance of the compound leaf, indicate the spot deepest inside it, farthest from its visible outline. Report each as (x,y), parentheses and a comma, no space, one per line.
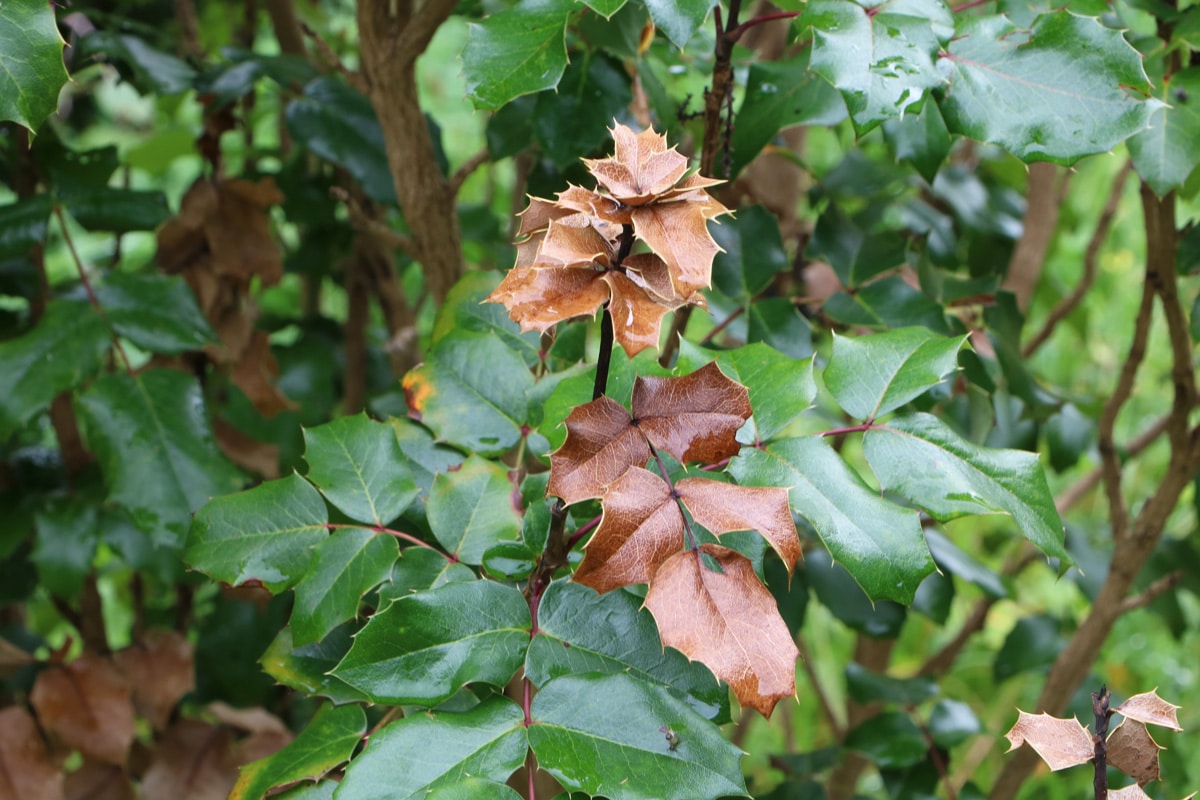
(344,567)
(358,465)
(471,509)
(328,740)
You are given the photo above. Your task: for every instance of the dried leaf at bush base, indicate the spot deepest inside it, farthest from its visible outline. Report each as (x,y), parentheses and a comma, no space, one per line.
(194,760)
(255,372)
(251,720)
(161,670)
(694,418)
(728,621)
(95,781)
(600,445)
(1133,750)
(1061,743)
(1151,709)
(26,769)
(248,453)
(642,527)
(724,508)
(88,706)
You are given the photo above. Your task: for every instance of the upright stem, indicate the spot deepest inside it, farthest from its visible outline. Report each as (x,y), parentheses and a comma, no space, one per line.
(1100,709)
(605,357)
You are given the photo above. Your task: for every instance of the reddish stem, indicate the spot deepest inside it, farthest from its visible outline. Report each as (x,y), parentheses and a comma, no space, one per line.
(737,32)
(866,426)
(582,531)
(708,337)
(970,4)
(408,537)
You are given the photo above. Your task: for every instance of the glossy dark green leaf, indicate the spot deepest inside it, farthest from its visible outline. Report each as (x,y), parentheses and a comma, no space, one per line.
(421,568)
(308,668)
(881,60)
(509,561)
(151,434)
(1069,434)
(153,70)
(328,741)
(887,303)
(358,465)
(338,124)
(865,686)
(65,546)
(31,63)
(780,94)
(890,740)
(23,225)
(516,51)
(920,139)
(510,130)
(425,647)
(781,388)
(952,722)
(66,347)
(464,310)
(935,596)
(105,208)
(678,19)
(879,542)
(1066,88)
(473,789)
(872,375)
(837,590)
(855,250)
(619,35)
(425,456)
(575,118)
(666,750)
(777,322)
(921,459)
(1032,644)
(156,312)
(138,551)
(264,534)
(344,567)
(472,392)
(1166,153)
(321,790)
(437,750)
(471,509)
(582,631)
(753,255)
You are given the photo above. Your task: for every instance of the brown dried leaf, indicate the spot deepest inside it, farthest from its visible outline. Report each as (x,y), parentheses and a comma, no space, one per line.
(599,206)
(1133,750)
(694,418)
(161,670)
(641,528)
(239,232)
(725,507)
(539,212)
(88,706)
(94,781)
(574,242)
(1151,709)
(601,444)
(255,374)
(678,232)
(1133,792)
(12,658)
(637,317)
(537,298)
(194,760)
(249,454)
(728,621)
(1061,743)
(254,720)
(26,770)
(641,167)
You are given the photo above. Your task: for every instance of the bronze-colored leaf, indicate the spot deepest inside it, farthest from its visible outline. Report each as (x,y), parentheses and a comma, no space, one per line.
(599,206)
(537,298)
(1133,750)
(725,507)
(252,720)
(1132,792)
(678,232)
(574,242)
(641,528)
(1151,709)
(239,232)
(26,769)
(248,453)
(95,781)
(1061,743)
(728,621)
(255,373)
(194,760)
(539,212)
(641,167)
(88,706)
(161,670)
(650,272)
(601,444)
(694,418)
(637,317)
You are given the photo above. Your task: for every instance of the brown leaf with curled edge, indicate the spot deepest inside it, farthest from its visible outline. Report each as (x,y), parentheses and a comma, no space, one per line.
(678,232)
(1151,709)
(537,298)
(1061,743)
(600,445)
(725,507)
(641,528)
(694,418)
(1133,750)
(1133,792)
(574,242)
(161,670)
(26,769)
(194,760)
(255,373)
(637,319)
(728,621)
(88,706)
(95,781)
(641,167)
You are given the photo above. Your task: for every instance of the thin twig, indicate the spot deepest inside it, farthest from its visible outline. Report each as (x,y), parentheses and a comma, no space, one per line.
(467,168)
(1076,491)
(360,220)
(330,59)
(1147,595)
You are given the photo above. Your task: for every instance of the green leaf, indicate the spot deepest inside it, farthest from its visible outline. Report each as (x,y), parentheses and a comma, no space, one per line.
(344,567)
(578,739)
(464,310)
(678,19)
(920,139)
(425,457)
(781,94)
(887,303)
(425,647)
(953,560)
(151,434)
(31,62)
(921,459)
(263,534)
(854,248)
(879,542)
(952,722)
(1166,153)
(156,312)
(104,208)
(328,740)
(471,509)
(473,789)
(777,322)
(866,686)
(781,388)
(358,465)
(154,72)
(605,8)
(582,631)
(575,118)
(1033,644)
(872,375)
(472,392)
(516,51)
(421,568)
(753,255)
(510,561)
(338,124)
(438,750)
(1057,92)
(881,60)
(307,668)
(23,225)
(65,546)
(845,599)
(891,740)
(66,346)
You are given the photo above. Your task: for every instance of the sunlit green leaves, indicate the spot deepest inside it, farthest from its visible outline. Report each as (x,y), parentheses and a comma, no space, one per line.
(667,750)
(328,740)
(678,19)
(872,375)
(425,647)
(516,51)
(1067,88)
(31,62)
(1166,153)
(359,467)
